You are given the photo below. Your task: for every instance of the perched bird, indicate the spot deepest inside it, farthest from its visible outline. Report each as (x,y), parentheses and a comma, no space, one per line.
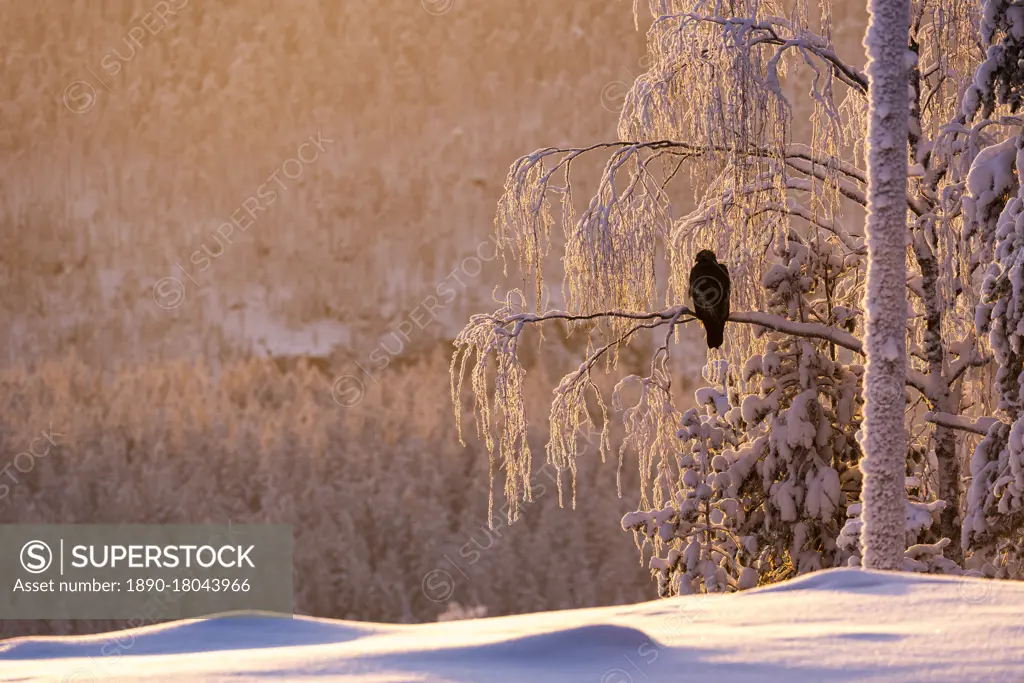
(709,292)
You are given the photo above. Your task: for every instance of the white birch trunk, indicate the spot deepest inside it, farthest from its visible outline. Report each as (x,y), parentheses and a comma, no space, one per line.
(885,443)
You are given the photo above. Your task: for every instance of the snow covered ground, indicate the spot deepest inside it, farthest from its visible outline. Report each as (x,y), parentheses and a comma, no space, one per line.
(838,625)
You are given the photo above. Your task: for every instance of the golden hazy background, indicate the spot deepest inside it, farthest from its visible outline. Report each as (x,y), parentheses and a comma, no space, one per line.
(132,130)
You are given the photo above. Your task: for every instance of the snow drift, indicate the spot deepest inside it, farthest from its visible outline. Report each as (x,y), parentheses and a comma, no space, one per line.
(836,625)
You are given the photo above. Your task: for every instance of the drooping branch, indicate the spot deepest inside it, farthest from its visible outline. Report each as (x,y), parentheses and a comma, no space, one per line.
(767,32)
(798,157)
(794,209)
(589,363)
(768,184)
(801,151)
(795,151)
(805,184)
(520,319)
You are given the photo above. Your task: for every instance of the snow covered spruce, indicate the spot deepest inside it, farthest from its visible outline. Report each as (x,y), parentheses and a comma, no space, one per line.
(763,479)
(993,205)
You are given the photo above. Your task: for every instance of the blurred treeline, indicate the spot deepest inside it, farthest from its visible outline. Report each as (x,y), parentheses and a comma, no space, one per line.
(380,495)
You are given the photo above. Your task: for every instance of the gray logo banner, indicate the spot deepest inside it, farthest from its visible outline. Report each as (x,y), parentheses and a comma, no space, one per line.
(143,571)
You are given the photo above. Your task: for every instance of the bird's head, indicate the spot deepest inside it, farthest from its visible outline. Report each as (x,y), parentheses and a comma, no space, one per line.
(706,256)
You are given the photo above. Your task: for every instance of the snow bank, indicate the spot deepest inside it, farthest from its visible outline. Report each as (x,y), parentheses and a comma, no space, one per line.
(836,625)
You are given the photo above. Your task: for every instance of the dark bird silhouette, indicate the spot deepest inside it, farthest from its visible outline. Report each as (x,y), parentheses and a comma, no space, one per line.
(709,292)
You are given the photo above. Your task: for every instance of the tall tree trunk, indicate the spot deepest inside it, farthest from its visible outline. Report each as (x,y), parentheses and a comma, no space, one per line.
(938,393)
(884,495)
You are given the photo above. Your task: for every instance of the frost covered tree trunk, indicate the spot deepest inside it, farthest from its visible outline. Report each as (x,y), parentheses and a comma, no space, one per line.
(883,535)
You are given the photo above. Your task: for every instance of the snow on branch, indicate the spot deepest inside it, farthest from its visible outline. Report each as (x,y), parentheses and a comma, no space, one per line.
(806,185)
(675,315)
(972,359)
(800,329)
(801,151)
(979,425)
(854,243)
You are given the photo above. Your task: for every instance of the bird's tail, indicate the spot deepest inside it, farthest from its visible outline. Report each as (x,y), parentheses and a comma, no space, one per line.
(715,332)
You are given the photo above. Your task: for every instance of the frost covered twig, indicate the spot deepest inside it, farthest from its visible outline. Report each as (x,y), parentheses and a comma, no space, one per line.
(979,425)
(767,31)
